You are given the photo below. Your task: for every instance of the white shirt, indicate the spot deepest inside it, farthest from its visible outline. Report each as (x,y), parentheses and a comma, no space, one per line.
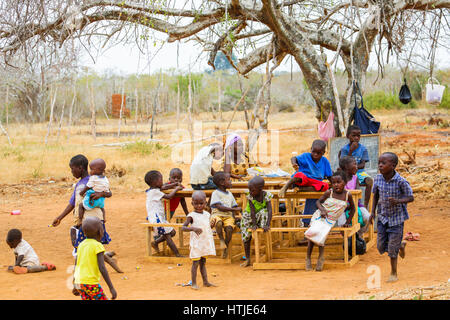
(155,210)
(201,245)
(30,257)
(224,198)
(201,166)
(98,183)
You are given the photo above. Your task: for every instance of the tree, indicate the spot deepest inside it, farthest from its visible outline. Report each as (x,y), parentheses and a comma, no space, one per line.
(272,29)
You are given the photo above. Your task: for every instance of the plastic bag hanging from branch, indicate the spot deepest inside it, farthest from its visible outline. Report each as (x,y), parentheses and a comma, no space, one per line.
(405,94)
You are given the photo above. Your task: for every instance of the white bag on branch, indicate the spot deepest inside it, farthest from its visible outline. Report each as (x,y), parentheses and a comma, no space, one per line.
(434,92)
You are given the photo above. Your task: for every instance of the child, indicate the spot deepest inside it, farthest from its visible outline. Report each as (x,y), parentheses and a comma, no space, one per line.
(97,183)
(201,167)
(27,260)
(79,168)
(202,241)
(361,155)
(312,167)
(156,212)
(90,263)
(223,209)
(175,179)
(347,164)
(258,213)
(331,206)
(391,194)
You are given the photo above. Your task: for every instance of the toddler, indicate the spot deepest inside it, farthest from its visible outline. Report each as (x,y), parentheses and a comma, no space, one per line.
(175,179)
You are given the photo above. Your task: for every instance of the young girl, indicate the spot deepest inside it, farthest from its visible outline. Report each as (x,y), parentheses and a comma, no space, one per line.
(156,212)
(348,165)
(258,213)
(175,179)
(331,206)
(202,241)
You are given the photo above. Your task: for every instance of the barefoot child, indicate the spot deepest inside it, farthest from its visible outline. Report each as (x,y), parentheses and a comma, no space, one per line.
(391,194)
(361,155)
(175,179)
(27,260)
(156,212)
(331,206)
(257,214)
(202,242)
(223,209)
(90,263)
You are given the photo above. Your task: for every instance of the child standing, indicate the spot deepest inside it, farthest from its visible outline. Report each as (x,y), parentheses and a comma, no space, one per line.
(223,209)
(156,212)
(331,206)
(90,263)
(175,179)
(27,260)
(311,168)
(258,213)
(361,155)
(201,242)
(391,194)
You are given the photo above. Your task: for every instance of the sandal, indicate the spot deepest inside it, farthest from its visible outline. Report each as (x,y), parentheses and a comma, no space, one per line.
(408,236)
(20,270)
(49,266)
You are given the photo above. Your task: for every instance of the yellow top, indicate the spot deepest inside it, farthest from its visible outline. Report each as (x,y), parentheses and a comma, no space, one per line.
(86,270)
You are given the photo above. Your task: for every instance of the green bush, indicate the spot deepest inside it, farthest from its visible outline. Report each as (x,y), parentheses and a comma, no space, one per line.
(445,102)
(383,100)
(143,147)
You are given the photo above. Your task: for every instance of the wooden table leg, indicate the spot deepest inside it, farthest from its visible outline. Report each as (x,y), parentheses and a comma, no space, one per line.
(149,241)
(345,247)
(256,237)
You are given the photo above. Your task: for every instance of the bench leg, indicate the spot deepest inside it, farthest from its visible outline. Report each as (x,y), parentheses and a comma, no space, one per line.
(149,241)
(256,237)
(345,247)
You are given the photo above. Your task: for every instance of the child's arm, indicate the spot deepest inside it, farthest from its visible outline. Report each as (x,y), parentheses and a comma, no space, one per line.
(407,193)
(376,197)
(361,165)
(103,194)
(167,186)
(82,192)
(325,196)
(19,260)
(172,193)
(184,206)
(65,212)
(269,215)
(351,212)
(294,163)
(287,186)
(221,207)
(185,227)
(105,274)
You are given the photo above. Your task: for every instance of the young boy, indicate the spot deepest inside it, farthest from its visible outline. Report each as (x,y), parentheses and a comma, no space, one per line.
(201,167)
(223,209)
(27,260)
(90,263)
(175,179)
(156,212)
(312,167)
(361,155)
(391,194)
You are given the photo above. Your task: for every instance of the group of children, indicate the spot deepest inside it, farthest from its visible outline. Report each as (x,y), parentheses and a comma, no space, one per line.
(335,207)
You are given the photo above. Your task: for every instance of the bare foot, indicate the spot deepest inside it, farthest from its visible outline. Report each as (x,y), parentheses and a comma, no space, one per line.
(246,263)
(155,246)
(20,270)
(402,252)
(222,244)
(308,266)
(392,278)
(209,284)
(319,266)
(75,292)
(194,286)
(225,253)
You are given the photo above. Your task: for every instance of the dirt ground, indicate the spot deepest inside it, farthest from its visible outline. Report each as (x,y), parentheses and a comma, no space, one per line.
(426,264)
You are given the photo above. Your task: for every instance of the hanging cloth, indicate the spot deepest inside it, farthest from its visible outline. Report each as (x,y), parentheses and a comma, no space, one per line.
(361,117)
(404,94)
(326,129)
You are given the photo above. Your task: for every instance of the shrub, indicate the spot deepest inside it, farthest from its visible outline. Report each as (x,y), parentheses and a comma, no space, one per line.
(383,100)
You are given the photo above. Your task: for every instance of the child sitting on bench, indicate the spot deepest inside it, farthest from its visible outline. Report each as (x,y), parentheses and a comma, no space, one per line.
(175,179)
(156,212)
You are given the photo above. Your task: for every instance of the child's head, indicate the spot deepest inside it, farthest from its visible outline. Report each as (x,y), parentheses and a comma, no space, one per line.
(222,180)
(78,164)
(13,238)
(354,133)
(176,175)
(92,227)
(199,201)
(153,179)
(97,167)
(338,181)
(348,165)
(387,162)
(318,148)
(255,186)
(217,151)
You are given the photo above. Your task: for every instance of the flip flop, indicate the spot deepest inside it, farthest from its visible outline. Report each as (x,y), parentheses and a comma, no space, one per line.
(49,266)
(409,236)
(416,236)
(20,270)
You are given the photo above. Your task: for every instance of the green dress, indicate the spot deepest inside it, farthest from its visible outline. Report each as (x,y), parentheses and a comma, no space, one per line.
(261,214)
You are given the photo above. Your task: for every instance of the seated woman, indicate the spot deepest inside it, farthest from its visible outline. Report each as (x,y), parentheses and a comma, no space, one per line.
(236,160)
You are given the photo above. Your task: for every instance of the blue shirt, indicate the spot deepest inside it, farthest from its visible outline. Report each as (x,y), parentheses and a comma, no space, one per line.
(360,154)
(397,187)
(313,170)
(78,187)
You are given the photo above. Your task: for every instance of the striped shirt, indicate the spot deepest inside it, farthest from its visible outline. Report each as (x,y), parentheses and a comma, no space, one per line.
(397,187)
